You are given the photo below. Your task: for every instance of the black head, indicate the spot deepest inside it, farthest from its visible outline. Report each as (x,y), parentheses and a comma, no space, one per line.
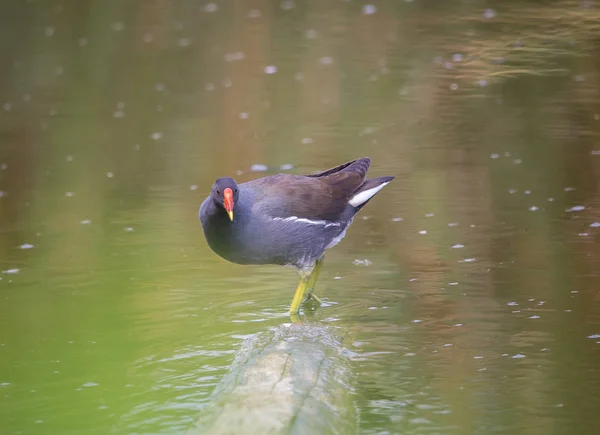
(225,193)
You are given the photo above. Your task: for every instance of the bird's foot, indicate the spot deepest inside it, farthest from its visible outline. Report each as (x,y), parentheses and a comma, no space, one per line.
(315,298)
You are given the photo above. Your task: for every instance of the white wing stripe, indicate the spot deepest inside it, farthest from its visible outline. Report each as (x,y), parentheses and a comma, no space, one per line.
(325,224)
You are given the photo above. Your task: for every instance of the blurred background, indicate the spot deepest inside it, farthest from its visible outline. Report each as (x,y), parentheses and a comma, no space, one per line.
(468,290)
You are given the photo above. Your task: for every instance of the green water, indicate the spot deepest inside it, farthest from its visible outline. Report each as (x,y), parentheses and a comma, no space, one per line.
(467,291)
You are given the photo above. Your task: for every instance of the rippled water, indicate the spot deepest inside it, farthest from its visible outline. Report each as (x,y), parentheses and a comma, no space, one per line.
(467,292)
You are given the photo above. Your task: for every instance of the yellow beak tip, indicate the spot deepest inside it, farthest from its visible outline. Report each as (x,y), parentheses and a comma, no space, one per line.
(230,214)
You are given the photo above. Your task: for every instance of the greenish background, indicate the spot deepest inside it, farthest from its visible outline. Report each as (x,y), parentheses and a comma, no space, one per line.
(478,310)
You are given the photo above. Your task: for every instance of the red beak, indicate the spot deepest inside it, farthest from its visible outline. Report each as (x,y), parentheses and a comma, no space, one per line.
(228,202)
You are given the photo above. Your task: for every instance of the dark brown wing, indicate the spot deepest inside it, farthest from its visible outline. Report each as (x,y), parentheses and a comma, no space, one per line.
(322,196)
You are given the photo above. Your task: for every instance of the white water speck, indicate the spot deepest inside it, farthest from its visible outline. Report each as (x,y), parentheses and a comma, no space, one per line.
(337,277)
(423,232)
(453,224)
(7,107)
(193,187)
(468,260)
(453,86)
(397,219)
(184,42)
(270,69)
(69,194)
(494,156)
(594,336)
(359,262)
(459,324)
(369,9)
(595,224)
(243,115)
(49,31)
(26,246)
(429,214)
(517,161)
(11,271)
(416,321)
(575,208)
(326,60)
(232,57)
(257,167)
(447,344)
(512,304)
(534,317)
(453,283)
(410,354)
(128,229)
(2,193)
(457,246)
(569,189)
(254,13)
(210,8)
(478,357)
(85,222)
(518,356)
(527,192)
(311,34)
(117,26)
(90,384)
(287,5)
(156,135)
(533,208)
(488,14)
(550,199)
(372,308)
(286,167)
(110,174)
(306,140)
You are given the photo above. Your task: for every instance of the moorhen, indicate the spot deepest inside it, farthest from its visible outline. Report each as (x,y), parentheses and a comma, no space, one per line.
(287,219)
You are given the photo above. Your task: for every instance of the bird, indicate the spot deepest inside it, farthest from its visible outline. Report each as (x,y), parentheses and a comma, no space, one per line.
(287,219)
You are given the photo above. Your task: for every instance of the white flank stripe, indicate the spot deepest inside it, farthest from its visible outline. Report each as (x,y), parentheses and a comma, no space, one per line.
(365,195)
(307,221)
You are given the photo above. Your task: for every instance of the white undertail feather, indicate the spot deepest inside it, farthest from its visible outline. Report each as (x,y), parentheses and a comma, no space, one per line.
(365,195)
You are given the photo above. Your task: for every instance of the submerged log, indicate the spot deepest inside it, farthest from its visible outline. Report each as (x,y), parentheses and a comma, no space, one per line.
(294,379)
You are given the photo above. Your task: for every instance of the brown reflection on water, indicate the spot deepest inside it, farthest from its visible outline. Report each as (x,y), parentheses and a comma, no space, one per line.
(481,293)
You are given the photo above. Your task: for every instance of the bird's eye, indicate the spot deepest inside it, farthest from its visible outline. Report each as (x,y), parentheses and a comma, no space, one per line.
(236,190)
(218,192)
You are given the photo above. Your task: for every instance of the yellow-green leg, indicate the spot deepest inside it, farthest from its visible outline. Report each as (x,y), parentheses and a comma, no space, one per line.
(300,292)
(306,286)
(312,280)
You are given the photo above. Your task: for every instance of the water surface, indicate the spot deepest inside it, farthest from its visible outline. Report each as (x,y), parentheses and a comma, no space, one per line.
(467,290)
